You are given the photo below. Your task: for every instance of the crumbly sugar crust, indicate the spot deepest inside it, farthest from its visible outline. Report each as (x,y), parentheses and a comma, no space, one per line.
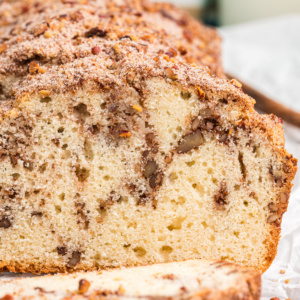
(58,32)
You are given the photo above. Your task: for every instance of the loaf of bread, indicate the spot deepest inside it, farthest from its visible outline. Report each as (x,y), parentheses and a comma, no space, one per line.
(116,151)
(192,279)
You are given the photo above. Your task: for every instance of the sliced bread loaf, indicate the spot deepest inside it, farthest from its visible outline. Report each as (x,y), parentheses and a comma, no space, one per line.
(129,156)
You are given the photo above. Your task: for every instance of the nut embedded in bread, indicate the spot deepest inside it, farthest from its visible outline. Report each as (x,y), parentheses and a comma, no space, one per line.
(127,157)
(198,279)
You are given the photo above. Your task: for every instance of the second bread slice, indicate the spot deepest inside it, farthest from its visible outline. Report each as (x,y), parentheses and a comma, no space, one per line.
(199,279)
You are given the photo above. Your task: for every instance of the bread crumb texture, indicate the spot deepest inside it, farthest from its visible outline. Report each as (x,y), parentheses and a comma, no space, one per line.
(117,151)
(190,279)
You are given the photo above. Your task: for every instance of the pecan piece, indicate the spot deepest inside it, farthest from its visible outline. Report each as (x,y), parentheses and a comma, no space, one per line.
(75,259)
(95,31)
(272,218)
(190,141)
(221,197)
(150,168)
(83,286)
(61,250)
(5,222)
(155,180)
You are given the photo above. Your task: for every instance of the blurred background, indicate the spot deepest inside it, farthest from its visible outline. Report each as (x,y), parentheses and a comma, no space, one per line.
(228,12)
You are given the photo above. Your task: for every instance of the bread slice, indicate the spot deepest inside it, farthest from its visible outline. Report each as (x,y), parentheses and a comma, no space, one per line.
(127,157)
(192,279)
(54,32)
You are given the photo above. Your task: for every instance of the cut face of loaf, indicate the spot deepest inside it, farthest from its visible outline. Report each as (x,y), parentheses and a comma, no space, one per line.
(200,279)
(134,161)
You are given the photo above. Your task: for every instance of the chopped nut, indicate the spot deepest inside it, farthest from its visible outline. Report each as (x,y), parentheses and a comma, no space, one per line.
(221,197)
(190,141)
(61,250)
(272,207)
(5,222)
(169,276)
(183,289)
(99,219)
(34,68)
(150,136)
(122,290)
(286,168)
(45,93)
(150,168)
(36,213)
(3,47)
(168,159)
(236,83)
(277,174)
(75,259)
(145,154)
(48,34)
(195,124)
(209,125)
(201,93)
(170,74)
(40,30)
(279,182)
(126,37)
(172,52)
(95,31)
(83,286)
(28,165)
(96,50)
(166,57)
(272,218)
(283,198)
(207,112)
(125,133)
(137,107)
(223,137)
(282,271)
(82,173)
(155,180)
(185,95)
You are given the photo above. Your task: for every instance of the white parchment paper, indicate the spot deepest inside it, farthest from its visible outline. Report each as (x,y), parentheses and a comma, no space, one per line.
(266,55)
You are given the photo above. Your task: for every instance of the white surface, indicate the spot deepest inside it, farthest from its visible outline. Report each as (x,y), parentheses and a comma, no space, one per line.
(266,55)
(237,11)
